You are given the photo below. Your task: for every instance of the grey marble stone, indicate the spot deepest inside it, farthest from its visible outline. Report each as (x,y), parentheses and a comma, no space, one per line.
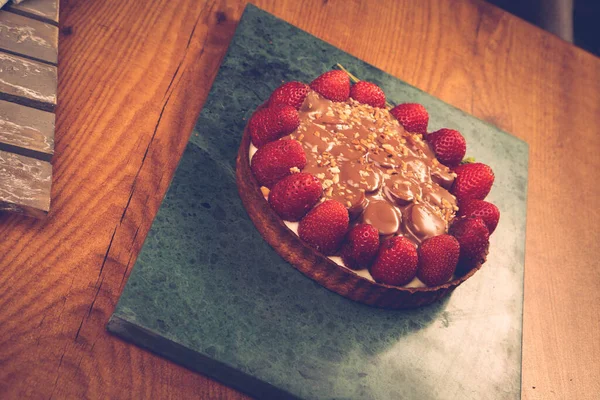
(28,37)
(27,82)
(24,185)
(26,131)
(43,10)
(209,293)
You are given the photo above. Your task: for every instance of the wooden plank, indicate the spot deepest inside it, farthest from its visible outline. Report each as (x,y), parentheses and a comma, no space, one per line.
(42,10)
(27,82)
(26,131)
(24,184)
(28,37)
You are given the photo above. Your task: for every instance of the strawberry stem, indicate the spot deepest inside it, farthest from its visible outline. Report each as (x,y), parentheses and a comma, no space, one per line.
(468,160)
(354,79)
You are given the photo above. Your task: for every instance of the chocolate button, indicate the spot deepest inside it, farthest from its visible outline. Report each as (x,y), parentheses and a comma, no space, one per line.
(421,222)
(383,216)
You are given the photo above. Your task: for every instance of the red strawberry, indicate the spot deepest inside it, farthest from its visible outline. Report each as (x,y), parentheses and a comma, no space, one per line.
(437,259)
(473,181)
(263,127)
(294,195)
(325,226)
(270,123)
(488,212)
(396,262)
(288,118)
(273,161)
(368,93)
(448,145)
(361,247)
(412,116)
(291,93)
(333,85)
(473,237)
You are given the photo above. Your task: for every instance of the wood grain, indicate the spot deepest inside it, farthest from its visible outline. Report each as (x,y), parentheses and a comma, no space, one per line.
(121,129)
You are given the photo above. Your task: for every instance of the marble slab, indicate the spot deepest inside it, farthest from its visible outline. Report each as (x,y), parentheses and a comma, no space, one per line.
(43,10)
(209,293)
(24,184)
(26,131)
(27,82)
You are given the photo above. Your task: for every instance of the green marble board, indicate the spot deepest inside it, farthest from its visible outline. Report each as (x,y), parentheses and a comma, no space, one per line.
(207,292)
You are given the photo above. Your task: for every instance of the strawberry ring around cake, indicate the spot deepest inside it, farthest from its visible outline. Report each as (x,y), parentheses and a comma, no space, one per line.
(359,237)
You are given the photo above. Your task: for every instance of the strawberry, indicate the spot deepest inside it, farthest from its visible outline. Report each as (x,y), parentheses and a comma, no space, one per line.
(291,94)
(396,262)
(361,247)
(368,93)
(325,226)
(473,181)
(333,85)
(288,118)
(473,237)
(488,212)
(294,195)
(263,127)
(448,145)
(438,257)
(274,160)
(270,123)
(412,116)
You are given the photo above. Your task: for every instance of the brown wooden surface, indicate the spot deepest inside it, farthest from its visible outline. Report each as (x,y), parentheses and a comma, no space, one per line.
(133,78)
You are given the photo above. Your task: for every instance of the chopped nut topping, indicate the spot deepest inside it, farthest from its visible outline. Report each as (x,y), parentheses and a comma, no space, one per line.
(378,151)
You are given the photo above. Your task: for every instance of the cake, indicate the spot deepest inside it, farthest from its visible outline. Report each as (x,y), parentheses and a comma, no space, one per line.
(358,196)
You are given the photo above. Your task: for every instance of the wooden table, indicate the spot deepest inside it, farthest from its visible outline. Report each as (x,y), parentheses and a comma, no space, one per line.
(133,77)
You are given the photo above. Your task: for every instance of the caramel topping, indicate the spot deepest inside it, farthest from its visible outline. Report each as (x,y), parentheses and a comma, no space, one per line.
(385,176)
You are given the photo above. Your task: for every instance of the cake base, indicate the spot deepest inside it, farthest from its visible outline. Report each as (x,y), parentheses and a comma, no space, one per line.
(317,266)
